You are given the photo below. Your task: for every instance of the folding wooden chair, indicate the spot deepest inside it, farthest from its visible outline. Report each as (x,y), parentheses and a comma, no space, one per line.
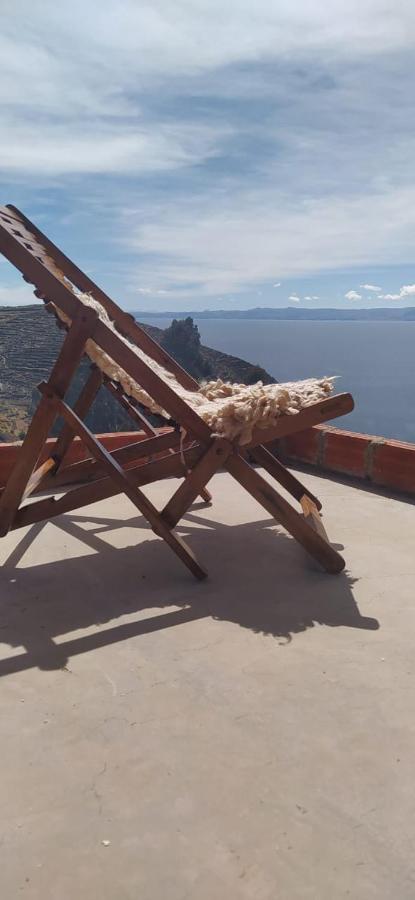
(58,282)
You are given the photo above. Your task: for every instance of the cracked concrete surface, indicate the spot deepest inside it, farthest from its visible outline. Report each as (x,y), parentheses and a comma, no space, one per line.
(248,737)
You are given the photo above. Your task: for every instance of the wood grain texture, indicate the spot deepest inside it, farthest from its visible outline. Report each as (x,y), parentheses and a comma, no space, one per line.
(284,513)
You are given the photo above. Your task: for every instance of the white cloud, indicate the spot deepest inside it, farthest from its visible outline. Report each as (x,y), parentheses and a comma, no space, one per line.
(371,287)
(97,63)
(102,148)
(353,295)
(106,89)
(147,290)
(294,298)
(407,290)
(224,244)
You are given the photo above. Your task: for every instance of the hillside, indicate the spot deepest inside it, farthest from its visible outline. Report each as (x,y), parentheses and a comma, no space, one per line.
(29,343)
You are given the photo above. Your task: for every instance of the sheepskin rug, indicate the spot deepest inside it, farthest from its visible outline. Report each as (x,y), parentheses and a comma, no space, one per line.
(230,410)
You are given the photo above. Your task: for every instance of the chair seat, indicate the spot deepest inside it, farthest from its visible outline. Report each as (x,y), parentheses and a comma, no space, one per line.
(234,410)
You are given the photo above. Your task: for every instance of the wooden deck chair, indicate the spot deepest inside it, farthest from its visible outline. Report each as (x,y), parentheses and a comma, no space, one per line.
(62,286)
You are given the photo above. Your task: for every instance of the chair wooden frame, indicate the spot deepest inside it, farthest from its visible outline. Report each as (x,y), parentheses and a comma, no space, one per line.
(58,282)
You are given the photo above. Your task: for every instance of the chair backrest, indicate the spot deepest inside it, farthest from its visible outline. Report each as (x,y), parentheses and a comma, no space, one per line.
(55,278)
(29,237)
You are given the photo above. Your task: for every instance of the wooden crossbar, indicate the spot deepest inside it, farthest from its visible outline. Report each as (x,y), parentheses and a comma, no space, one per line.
(37,478)
(82,406)
(319,412)
(197,478)
(284,513)
(140,419)
(272,465)
(126,485)
(90,469)
(116,391)
(170,466)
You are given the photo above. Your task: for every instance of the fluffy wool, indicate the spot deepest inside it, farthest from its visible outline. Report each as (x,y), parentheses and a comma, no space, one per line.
(230,410)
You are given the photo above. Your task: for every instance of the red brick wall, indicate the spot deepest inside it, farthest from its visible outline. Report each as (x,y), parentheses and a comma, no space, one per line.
(377,460)
(385,463)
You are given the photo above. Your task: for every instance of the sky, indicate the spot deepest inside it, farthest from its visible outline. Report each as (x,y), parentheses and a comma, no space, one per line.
(205,155)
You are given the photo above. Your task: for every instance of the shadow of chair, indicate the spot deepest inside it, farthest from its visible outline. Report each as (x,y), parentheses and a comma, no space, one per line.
(42,602)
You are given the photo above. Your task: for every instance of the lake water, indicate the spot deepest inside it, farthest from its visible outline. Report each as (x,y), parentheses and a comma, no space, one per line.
(375,362)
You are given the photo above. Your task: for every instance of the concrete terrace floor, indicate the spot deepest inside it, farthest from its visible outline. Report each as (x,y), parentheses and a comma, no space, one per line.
(250,738)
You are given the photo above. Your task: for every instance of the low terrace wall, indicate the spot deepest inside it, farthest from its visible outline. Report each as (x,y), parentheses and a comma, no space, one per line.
(386,463)
(382,462)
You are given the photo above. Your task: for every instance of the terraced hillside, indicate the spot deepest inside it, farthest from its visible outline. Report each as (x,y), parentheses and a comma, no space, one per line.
(29,343)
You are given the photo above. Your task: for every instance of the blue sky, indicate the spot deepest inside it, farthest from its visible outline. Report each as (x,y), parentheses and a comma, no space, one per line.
(194,155)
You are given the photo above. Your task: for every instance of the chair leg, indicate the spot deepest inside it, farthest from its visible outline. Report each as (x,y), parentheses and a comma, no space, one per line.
(28,456)
(284,513)
(126,485)
(195,481)
(275,468)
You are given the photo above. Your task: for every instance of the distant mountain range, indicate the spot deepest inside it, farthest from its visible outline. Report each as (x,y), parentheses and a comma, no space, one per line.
(385,314)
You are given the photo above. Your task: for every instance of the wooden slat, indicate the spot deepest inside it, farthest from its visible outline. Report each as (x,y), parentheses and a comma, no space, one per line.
(89,469)
(284,513)
(134,413)
(140,419)
(50,507)
(313,517)
(38,476)
(196,479)
(275,468)
(126,484)
(72,350)
(81,407)
(43,418)
(335,406)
